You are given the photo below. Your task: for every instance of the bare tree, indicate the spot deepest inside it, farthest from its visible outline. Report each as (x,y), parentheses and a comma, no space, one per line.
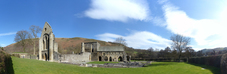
(21,37)
(151,52)
(34,31)
(180,42)
(189,52)
(121,41)
(167,52)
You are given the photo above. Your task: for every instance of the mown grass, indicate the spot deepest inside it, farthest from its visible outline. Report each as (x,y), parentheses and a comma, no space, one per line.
(100,62)
(30,66)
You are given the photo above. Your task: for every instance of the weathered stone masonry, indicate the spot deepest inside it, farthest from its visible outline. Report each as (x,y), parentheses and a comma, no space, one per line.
(90,51)
(48,48)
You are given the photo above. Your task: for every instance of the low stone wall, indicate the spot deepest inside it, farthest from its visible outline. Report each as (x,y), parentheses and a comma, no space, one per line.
(21,55)
(119,65)
(114,65)
(75,58)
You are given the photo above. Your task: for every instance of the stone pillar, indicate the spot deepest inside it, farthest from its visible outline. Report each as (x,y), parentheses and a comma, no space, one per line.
(82,47)
(40,48)
(91,48)
(51,47)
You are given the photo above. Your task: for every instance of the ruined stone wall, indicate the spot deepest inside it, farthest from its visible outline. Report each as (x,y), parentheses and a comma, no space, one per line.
(111,55)
(56,56)
(94,56)
(74,58)
(91,46)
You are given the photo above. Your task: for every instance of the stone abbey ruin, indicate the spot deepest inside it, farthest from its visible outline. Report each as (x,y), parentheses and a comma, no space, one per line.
(90,51)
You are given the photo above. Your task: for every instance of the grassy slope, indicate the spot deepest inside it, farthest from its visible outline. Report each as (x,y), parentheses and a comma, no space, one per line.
(28,66)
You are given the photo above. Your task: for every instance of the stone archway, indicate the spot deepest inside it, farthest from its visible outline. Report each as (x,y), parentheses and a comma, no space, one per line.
(128,58)
(46,58)
(110,59)
(105,58)
(100,58)
(120,58)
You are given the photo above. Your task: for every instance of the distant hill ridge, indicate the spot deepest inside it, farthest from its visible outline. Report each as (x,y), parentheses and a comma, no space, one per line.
(65,45)
(215,49)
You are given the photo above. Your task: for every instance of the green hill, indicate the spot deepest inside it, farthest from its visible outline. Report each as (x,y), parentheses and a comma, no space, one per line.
(65,45)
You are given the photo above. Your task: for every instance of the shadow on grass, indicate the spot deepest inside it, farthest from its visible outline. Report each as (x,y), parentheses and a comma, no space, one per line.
(214,70)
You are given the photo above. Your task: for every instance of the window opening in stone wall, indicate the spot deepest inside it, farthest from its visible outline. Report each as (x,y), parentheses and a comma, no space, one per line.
(120,59)
(110,58)
(100,58)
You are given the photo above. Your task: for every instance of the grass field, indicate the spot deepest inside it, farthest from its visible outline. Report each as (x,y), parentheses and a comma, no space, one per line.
(30,66)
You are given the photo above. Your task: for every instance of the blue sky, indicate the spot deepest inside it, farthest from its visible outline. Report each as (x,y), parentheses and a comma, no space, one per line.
(143,23)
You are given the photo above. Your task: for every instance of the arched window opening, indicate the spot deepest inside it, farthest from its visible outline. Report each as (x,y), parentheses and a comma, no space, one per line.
(100,58)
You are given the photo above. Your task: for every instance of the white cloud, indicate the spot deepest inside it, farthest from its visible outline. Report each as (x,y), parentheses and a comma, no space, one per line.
(3,45)
(178,22)
(139,39)
(10,33)
(118,10)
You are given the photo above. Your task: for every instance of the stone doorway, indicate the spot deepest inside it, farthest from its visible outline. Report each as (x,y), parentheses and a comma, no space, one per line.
(128,58)
(100,58)
(110,59)
(120,59)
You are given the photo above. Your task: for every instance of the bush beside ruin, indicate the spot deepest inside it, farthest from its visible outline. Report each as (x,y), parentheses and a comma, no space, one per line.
(224,64)
(6,66)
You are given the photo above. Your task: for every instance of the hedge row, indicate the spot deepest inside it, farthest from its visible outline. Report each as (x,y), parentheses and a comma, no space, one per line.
(6,66)
(160,59)
(219,61)
(224,64)
(211,60)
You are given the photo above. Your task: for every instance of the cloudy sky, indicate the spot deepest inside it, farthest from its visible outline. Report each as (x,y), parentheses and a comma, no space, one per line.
(143,23)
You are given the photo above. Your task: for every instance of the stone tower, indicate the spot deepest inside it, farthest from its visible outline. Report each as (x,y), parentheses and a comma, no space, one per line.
(47,45)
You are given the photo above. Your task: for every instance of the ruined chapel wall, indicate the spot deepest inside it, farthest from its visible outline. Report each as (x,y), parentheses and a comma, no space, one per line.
(113,54)
(92,45)
(74,58)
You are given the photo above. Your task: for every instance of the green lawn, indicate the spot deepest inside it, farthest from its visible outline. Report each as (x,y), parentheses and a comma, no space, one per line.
(100,62)
(29,66)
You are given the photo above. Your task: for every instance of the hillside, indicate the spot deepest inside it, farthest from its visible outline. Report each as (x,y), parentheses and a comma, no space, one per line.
(65,45)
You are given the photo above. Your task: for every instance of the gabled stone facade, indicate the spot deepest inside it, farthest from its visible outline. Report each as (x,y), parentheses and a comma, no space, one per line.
(48,48)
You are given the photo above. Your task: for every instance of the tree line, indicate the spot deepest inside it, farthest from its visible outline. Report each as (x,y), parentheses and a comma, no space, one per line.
(179,49)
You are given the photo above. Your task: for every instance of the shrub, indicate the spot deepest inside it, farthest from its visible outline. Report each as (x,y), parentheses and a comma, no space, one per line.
(211,60)
(224,64)
(6,66)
